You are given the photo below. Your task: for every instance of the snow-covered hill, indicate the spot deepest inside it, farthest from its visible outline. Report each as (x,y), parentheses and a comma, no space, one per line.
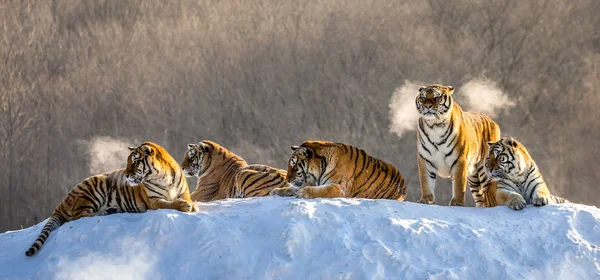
(284,238)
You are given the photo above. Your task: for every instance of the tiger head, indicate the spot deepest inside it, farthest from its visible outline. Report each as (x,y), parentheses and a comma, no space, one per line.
(196,159)
(145,161)
(506,159)
(435,102)
(299,165)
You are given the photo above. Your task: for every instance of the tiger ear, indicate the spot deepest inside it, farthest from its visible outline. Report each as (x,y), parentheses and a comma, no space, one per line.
(451,89)
(301,151)
(203,147)
(511,142)
(191,146)
(131,149)
(147,150)
(422,88)
(295,148)
(304,152)
(490,143)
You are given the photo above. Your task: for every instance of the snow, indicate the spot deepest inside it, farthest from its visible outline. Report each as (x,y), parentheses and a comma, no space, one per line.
(288,238)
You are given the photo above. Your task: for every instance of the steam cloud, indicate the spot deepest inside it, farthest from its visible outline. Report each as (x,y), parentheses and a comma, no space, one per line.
(482,96)
(106,154)
(403,111)
(485,97)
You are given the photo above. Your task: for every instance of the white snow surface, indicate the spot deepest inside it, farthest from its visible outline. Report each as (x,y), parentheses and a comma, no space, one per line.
(287,238)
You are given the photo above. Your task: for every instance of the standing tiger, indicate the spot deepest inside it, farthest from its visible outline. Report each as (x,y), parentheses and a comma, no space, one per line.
(152,180)
(452,144)
(327,169)
(222,174)
(519,181)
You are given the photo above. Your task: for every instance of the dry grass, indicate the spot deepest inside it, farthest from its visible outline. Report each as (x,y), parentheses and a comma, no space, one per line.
(259,76)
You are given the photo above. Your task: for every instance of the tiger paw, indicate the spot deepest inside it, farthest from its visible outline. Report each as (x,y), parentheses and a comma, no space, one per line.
(184,206)
(286,191)
(455,202)
(426,201)
(517,203)
(195,208)
(306,192)
(540,201)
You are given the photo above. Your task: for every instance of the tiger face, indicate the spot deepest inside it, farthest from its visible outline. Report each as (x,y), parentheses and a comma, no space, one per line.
(195,159)
(298,167)
(140,164)
(505,159)
(435,101)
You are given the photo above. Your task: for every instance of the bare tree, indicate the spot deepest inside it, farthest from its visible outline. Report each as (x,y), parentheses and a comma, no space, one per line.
(259,76)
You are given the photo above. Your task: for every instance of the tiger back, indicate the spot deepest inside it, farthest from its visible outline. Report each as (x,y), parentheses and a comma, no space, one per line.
(152,180)
(519,181)
(222,174)
(451,143)
(327,169)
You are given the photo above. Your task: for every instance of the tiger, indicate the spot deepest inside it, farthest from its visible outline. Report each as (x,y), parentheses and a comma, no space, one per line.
(518,179)
(321,169)
(152,180)
(222,174)
(451,143)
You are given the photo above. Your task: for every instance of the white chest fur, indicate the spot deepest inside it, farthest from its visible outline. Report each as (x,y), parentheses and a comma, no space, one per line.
(437,146)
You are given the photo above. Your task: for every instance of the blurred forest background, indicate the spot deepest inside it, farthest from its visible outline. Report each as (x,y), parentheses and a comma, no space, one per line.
(260,75)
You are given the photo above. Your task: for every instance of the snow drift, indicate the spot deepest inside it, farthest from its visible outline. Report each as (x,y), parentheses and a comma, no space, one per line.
(285,238)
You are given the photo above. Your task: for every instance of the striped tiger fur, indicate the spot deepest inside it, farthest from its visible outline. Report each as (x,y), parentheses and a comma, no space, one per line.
(222,174)
(327,169)
(519,181)
(152,180)
(452,144)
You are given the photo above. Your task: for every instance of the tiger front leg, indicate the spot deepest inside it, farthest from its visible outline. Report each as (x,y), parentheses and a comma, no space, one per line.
(289,190)
(186,196)
(541,195)
(329,190)
(459,184)
(427,177)
(177,204)
(511,199)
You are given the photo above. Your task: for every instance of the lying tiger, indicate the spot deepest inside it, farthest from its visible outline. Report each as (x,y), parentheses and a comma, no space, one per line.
(452,143)
(222,174)
(519,181)
(152,180)
(327,169)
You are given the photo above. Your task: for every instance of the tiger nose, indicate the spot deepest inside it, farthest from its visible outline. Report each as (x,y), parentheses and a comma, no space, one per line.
(427,105)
